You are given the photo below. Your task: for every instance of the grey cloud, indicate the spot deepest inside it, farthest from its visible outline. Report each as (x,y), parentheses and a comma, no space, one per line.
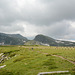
(50,12)
(41,12)
(8,12)
(58,10)
(12,28)
(57,30)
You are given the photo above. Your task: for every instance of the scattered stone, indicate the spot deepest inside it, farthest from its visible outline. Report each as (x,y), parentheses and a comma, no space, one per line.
(2,66)
(3,58)
(41,73)
(1,54)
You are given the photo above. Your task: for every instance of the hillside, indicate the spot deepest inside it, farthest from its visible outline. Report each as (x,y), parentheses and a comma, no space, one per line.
(32,42)
(53,42)
(12,39)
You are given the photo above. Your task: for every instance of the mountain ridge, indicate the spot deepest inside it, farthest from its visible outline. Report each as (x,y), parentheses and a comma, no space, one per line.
(17,39)
(12,39)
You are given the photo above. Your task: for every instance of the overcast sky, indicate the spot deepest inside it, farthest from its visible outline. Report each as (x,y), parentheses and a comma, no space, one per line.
(54,18)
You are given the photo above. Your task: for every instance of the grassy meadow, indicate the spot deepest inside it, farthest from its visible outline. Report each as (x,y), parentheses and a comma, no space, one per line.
(30,60)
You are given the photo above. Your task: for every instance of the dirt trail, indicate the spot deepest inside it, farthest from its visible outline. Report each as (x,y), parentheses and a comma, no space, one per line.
(65,59)
(73,62)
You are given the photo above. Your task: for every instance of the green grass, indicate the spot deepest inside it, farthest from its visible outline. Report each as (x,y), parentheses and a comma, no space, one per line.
(27,61)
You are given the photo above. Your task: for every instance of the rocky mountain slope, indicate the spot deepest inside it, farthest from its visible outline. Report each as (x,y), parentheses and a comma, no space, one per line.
(53,42)
(12,39)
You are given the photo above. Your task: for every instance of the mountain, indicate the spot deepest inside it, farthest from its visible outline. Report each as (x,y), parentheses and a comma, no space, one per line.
(45,40)
(12,39)
(17,39)
(53,42)
(17,36)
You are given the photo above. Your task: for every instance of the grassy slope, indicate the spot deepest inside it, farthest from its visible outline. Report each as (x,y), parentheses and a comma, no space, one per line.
(25,61)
